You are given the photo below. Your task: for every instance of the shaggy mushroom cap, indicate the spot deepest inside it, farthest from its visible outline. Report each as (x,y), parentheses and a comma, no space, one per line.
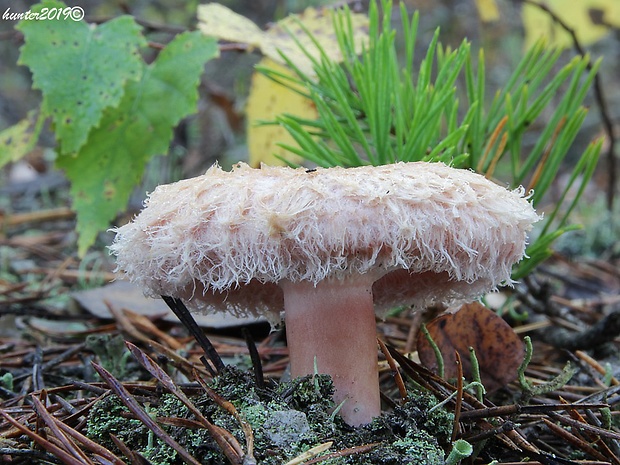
(223,241)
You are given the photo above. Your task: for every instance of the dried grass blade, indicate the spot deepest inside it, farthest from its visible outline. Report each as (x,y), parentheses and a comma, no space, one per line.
(344,453)
(310,453)
(574,440)
(402,390)
(490,144)
(125,324)
(53,449)
(498,154)
(585,427)
(227,442)
(134,457)
(596,365)
(142,323)
(89,444)
(83,411)
(132,404)
(230,408)
(103,460)
(590,438)
(541,164)
(177,360)
(456,429)
(180,422)
(442,388)
(512,409)
(52,424)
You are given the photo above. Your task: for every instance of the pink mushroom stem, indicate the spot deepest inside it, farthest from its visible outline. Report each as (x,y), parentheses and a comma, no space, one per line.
(334,323)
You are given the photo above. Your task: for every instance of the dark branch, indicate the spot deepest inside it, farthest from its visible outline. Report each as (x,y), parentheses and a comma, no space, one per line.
(184,315)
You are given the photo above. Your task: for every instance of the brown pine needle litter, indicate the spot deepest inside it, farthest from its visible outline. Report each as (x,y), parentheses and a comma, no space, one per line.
(51,392)
(67,376)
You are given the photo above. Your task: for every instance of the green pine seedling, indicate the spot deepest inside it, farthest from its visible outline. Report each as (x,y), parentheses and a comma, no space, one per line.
(375,109)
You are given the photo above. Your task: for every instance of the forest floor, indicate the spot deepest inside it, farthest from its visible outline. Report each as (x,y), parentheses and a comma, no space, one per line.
(73,342)
(62,322)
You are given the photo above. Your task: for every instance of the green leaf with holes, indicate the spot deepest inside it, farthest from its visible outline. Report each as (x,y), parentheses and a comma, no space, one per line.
(81,69)
(112,161)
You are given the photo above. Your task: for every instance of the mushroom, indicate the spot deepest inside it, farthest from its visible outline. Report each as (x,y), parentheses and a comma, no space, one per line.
(325,248)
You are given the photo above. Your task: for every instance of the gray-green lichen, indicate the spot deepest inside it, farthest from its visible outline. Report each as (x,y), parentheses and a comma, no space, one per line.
(112,353)
(286,419)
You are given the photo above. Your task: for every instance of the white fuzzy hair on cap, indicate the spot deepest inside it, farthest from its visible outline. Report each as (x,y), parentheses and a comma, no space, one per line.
(224,240)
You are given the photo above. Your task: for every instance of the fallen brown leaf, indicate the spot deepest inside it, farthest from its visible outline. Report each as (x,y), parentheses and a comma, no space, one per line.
(498,348)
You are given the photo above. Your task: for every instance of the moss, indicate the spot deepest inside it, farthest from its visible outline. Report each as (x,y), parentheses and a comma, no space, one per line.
(401,435)
(286,419)
(421,410)
(307,391)
(109,416)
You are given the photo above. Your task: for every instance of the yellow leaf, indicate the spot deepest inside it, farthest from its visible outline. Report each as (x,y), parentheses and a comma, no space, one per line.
(221,22)
(590,19)
(487,10)
(218,21)
(267,100)
(320,24)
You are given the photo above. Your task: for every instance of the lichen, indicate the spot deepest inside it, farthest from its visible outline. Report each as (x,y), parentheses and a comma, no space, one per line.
(109,417)
(286,419)
(112,353)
